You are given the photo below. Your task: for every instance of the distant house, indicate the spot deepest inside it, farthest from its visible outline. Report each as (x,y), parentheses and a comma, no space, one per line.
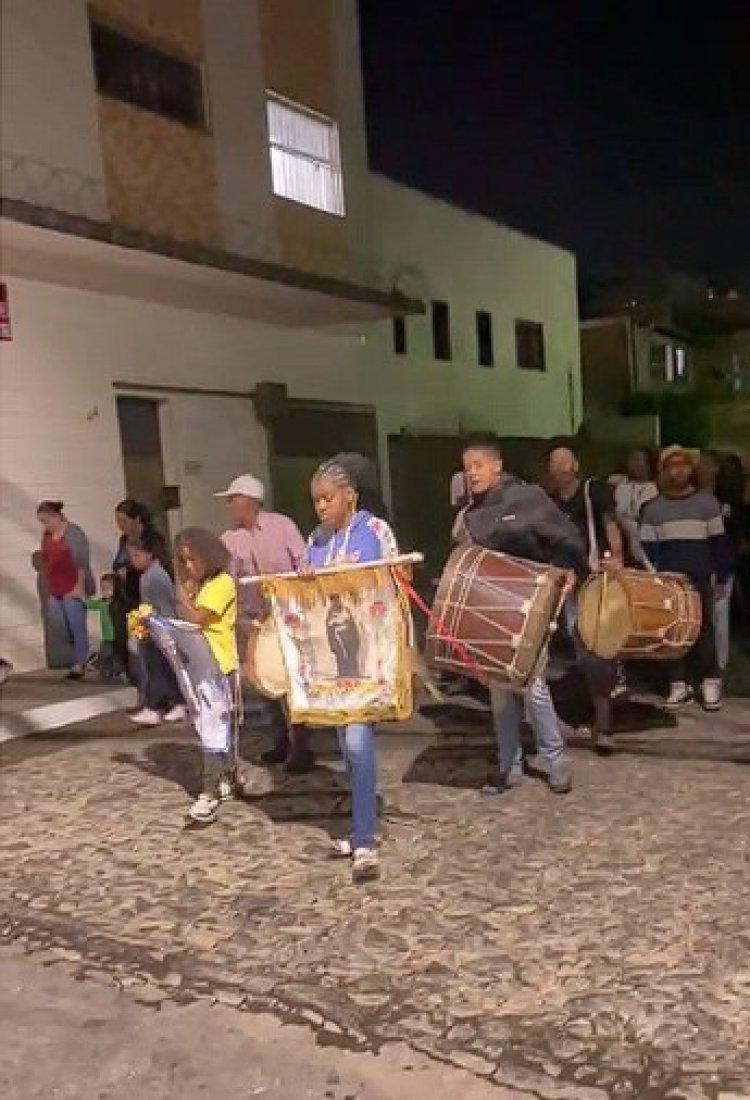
(667,352)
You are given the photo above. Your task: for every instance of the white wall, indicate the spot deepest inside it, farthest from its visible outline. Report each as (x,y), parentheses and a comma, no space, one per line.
(49,113)
(438,251)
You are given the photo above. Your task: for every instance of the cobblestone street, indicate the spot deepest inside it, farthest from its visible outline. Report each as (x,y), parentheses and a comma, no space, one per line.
(593,946)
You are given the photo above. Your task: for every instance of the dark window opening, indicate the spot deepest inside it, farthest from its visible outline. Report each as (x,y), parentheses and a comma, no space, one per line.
(441,330)
(530,345)
(399,335)
(145,77)
(485,350)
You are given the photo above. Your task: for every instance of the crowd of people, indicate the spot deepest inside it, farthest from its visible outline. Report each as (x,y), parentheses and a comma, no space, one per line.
(201,585)
(663,516)
(684,514)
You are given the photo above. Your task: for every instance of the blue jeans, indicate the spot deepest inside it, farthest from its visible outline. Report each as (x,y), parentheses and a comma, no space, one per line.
(357,744)
(68,616)
(507,714)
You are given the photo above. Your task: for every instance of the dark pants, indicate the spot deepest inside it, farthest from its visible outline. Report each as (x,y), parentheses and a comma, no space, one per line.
(107,664)
(215,766)
(600,674)
(160,690)
(700,663)
(118,612)
(742,594)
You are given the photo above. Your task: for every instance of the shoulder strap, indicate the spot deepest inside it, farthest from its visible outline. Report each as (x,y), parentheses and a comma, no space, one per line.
(594,558)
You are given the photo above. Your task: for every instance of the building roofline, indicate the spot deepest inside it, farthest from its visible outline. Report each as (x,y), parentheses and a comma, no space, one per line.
(45,217)
(653,326)
(439,200)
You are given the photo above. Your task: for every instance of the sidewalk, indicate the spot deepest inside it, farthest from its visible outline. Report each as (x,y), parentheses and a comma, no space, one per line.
(43,702)
(40,702)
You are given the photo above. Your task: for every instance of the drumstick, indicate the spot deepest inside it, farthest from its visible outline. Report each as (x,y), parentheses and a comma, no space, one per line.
(343,567)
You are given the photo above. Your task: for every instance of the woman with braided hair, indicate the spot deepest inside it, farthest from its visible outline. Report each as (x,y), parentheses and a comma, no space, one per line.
(348,533)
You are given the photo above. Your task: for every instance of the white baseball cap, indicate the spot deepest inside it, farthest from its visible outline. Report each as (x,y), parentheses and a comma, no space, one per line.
(244,486)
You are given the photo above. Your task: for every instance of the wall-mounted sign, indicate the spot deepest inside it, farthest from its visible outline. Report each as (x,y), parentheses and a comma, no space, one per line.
(5,330)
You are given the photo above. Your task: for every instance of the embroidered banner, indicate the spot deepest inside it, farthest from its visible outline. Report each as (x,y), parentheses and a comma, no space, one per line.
(344,636)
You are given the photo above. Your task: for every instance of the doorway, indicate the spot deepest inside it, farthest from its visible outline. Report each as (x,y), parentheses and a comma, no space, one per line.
(142,455)
(421,471)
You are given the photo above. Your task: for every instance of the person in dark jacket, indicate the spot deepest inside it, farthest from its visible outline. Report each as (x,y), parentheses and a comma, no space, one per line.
(590,505)
(508,516)
(133,521)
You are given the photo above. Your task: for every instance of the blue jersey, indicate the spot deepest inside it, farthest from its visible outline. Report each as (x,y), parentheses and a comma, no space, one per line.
(365,539)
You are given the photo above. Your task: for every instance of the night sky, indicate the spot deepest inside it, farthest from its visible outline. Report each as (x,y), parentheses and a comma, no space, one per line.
(619,130)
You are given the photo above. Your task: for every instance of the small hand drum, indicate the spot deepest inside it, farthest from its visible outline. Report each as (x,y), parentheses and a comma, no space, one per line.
(264,667)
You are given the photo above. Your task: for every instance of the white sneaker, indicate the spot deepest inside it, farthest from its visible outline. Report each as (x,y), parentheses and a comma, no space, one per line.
(711,692)
(177,713)
(146,717)
(341,849)
(364,865)
(680,693)
(204,809)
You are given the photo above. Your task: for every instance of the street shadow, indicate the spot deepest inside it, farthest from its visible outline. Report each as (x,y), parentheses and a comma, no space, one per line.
(321,795)
(33,744)
(464,753)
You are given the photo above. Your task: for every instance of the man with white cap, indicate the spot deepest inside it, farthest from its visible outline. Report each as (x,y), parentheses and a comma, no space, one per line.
(263,542)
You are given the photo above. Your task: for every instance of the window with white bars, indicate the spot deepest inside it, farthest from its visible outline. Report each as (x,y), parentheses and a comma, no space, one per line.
(305,157)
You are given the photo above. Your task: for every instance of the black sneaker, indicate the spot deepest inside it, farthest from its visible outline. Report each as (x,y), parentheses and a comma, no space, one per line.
(603,743)
(299,762)
(277,755)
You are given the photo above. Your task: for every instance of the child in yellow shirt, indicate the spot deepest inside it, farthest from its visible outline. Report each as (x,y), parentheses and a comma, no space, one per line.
(206,598)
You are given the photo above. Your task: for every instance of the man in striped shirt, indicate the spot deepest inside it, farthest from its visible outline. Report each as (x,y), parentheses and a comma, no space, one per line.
(682,532)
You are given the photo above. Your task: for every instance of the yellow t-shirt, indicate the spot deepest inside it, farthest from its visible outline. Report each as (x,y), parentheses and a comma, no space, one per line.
(220,596)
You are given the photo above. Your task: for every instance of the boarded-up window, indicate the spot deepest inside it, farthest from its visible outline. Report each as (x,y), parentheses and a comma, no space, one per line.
(147,77)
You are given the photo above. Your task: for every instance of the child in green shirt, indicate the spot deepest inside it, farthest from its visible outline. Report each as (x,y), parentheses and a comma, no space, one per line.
(106,662)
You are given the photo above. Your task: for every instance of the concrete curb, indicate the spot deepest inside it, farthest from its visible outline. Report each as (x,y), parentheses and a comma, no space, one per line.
(55,716)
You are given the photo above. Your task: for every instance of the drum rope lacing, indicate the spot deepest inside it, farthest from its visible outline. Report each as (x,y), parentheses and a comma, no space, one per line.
(440,628)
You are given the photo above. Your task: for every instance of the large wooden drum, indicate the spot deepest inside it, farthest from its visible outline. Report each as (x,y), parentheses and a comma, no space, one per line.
(632,613)
(500,610)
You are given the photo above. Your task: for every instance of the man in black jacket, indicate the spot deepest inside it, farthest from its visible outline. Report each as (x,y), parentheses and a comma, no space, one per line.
(510,517)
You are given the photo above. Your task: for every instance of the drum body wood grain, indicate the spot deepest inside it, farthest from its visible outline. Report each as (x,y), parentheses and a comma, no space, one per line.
(500,609)
(637,614)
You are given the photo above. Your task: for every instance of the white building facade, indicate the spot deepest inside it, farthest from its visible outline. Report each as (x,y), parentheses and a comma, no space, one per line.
(212,282)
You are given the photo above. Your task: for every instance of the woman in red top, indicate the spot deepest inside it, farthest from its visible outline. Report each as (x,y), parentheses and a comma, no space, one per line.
(66,573)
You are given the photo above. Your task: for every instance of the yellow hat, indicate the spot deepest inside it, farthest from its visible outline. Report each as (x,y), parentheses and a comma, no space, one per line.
(683,454)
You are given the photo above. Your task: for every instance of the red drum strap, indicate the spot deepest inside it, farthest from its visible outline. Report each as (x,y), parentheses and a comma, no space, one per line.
(440,628)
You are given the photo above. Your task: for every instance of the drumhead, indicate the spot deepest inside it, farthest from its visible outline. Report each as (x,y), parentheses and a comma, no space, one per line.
(604,615)
(270,670)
